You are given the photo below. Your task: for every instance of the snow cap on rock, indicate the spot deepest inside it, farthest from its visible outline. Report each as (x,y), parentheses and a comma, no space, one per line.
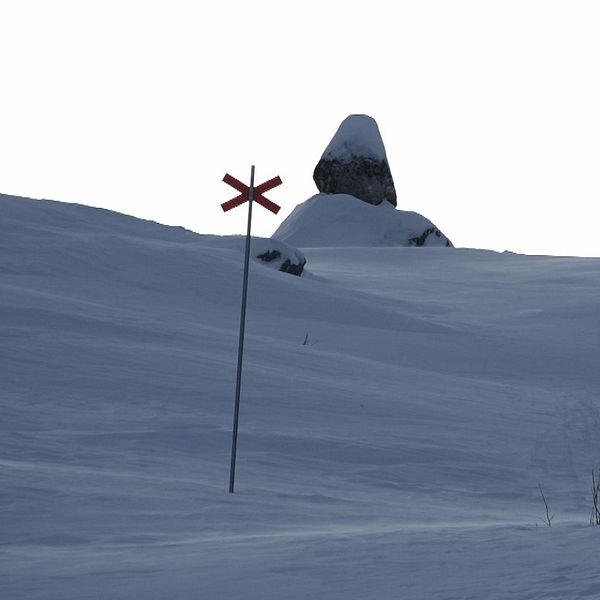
(355,163)
(358,135)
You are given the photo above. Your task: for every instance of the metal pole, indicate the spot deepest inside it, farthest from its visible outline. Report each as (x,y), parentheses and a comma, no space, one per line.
(238,384)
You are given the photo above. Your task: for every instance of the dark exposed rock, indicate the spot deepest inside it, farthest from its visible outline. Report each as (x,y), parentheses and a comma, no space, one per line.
(422,239)
(293,269)
(269,255)
(364,178)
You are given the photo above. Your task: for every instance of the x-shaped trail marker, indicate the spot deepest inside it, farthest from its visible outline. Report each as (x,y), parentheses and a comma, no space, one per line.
(248,194)
(245,193)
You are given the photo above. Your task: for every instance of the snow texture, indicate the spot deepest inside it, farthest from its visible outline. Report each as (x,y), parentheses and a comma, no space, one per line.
(399,408)
(342,220)
(358,135)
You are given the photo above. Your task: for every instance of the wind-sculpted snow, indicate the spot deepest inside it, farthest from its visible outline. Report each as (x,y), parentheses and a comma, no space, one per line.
(399,408)
(327,220)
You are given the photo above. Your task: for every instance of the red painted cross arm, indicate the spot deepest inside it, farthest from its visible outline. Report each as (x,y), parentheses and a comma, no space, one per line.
(265,187)
(240,187)
(274,208)
(236,183)
(234,202)
(268,185)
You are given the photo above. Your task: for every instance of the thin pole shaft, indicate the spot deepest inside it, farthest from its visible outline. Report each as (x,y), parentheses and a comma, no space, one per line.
(238,383)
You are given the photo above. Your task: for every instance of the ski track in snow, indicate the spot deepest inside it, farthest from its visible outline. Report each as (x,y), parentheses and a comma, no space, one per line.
(395,454)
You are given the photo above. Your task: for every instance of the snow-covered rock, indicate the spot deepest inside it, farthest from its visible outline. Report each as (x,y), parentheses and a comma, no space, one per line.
(280,255)
(355,163)
(343,220)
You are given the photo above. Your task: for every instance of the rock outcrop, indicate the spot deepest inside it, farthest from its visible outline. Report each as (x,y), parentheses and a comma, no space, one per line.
(355,163)
(357,203)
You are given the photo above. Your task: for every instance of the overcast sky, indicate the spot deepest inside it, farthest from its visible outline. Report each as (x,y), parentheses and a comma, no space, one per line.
(488,109)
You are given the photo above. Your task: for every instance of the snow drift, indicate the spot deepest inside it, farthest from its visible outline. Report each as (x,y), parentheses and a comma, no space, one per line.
(342,220)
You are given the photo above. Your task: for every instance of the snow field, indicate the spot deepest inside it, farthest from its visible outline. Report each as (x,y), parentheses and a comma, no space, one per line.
(395,454)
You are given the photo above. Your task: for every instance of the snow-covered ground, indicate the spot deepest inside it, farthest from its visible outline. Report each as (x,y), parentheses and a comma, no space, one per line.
(399,408)
(340,219)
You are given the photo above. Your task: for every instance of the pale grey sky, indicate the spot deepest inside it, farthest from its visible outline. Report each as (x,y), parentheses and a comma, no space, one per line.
(488,109)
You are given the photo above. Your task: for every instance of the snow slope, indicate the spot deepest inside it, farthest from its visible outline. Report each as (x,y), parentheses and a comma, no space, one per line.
(399,408)
(343,220)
